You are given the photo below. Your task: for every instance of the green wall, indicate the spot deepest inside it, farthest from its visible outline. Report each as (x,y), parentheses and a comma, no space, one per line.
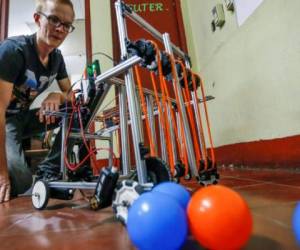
(102,42)
(251,70)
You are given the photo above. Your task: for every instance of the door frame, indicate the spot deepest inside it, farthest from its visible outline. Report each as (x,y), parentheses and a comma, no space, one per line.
(4,12)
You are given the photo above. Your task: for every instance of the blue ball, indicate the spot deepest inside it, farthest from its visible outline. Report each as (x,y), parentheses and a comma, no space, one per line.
(174,190)
(296,222)
(157,222)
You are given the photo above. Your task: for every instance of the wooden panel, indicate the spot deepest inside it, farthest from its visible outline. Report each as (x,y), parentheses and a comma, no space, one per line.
(281,152)
(88,32)
(4,5)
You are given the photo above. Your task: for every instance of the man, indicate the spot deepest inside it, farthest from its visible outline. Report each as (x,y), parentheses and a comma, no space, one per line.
(28,65)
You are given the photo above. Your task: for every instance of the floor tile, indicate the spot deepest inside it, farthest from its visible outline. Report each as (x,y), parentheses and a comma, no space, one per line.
(271,195)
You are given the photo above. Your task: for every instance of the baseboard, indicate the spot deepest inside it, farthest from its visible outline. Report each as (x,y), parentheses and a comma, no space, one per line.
(274,153)
(277,153)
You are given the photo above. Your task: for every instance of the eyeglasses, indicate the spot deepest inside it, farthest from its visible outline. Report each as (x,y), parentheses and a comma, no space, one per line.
(56,22)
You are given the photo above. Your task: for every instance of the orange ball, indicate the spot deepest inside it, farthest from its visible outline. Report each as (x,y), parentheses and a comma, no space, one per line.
(219,218)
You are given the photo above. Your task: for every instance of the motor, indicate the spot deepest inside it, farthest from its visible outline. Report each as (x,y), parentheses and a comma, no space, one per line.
(106,184)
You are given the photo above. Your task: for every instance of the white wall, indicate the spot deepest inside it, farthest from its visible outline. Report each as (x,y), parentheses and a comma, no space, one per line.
(252,70)
(102,42)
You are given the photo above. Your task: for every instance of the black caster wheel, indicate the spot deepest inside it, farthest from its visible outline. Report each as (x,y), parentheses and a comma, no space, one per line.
(176,179)
(179,171)
(188,176)
(157,171)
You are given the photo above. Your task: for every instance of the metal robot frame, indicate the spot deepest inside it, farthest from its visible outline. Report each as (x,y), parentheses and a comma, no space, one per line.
(127,92)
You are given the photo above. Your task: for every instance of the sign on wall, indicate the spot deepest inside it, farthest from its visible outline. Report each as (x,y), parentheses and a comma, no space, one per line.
(245,8)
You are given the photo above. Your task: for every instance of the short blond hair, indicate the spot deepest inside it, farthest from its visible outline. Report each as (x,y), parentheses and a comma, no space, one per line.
(41,4)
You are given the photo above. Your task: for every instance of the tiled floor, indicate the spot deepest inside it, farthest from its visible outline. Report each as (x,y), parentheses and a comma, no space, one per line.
(271,195)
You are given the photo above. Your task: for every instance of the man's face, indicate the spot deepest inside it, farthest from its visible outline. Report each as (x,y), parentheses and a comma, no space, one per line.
(54,35)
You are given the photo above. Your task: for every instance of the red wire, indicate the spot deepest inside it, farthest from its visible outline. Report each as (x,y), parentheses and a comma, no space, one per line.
(167,103)
(201,132)
(187,99)
(208,123)
(145,111)
(165,98)
(73,167)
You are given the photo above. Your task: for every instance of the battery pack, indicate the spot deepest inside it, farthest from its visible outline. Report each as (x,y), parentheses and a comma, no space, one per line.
(106,184)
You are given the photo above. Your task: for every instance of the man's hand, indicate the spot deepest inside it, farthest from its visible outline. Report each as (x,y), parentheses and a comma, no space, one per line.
(4,188)
(51,103)
(5,95)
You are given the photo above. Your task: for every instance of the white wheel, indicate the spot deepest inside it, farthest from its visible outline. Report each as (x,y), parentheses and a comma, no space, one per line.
(125,194)
(40,195)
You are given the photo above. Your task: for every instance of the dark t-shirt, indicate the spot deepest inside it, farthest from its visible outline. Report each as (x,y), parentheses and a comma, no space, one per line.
(20,64)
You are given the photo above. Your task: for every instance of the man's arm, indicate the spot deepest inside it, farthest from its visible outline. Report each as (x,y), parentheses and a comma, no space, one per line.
(54,99)
(5,95)
(65,85)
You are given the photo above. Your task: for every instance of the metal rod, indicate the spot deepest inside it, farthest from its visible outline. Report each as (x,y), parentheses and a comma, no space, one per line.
(118,81)
(171,128)
(135,129)
(62,159)
(124,130)
(188,138)
(106,89)
(151,119)
(130,90)
(89,136)
(72,185)
(111,147)
(180,137)
(138,109)
(162,137)
(106,131)
(120,68)
(197,116)
(198,123)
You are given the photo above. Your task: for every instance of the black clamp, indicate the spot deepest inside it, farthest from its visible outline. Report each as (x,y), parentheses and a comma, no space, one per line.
(125,7)
(144,49)
(143,150)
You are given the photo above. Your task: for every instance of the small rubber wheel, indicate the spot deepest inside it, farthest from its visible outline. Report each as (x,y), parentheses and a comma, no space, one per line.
(125,193)
(40,195)
(157,170)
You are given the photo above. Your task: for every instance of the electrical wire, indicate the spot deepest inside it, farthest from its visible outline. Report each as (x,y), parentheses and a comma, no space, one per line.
(187,98)
(143,106)
(107,56)
(208,123)
(73,167)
